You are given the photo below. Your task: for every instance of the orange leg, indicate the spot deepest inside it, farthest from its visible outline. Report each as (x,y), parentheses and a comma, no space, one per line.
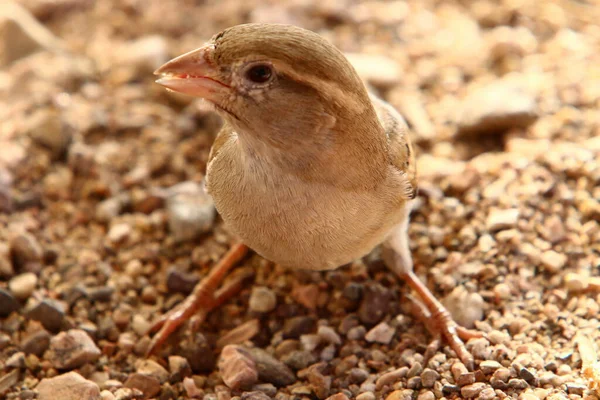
(203,299)
(440,322)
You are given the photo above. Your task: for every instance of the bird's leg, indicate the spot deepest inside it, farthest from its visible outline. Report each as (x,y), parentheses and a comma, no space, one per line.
(203,299)
(397,257)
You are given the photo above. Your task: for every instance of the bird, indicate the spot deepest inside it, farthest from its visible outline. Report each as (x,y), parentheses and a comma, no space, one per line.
(309,170)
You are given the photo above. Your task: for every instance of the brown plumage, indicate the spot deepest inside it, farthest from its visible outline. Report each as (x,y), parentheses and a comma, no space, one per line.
(309,170)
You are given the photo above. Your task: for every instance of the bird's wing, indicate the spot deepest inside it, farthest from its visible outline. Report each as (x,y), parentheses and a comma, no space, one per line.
(401,150)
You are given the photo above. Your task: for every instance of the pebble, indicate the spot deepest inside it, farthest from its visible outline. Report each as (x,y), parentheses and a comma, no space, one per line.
(366,396)
(25,249)
(119,232)
(152,368)
(191,389)
(299,359)
(72,349)
(240,334)
(329,335)
(262,300)
(181,282)
(404,394)
(254,395)
(487,394)
(471,391)
(307,295)
(237,368)
(426,395)
(357,333)
(69,386)
(270,369)
(36,343)
(378,70)
(338,396)
(179,368)
(148,385)
(47,129)
(389,378)
(552,261)
(375,303)
(381,333)
(465,307)
(495,108)
(489,366)
(190,210)
(294,327)
(51,313)
(23,285)
(502,219)
(8,303)
(358,375)
(576,388)
(429,377)
(17,360)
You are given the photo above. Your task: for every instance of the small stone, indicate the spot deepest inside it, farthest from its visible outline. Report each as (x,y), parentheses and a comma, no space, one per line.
(366,396)
(254,395)
(179,368)
(502,219)
(338,396)
(429,377)
(237,368)
(36,343)
(240,334)
(426,395)
(17,360)
(50,313)
(575,282)
(496,108)
(307,295)
(119,232)
(25,249)
(465,379)
(375,303)
(518,384)
(528,375)
(106,395)
(152,368)
(358,375)
(22,286)
(262,300)
(267,388)
(8,303)
(378,70)
(47,129)
(357,333)
(190,210)
(489,366)
(473,390)
(329,335)
(294,327)
(391,377)
(553,261)
(147,384)
(404,394)
(191,389)
(381,333)
(299,359)
(465,307)
(69,386)
(576,388)
(72,349)
(487,394)
(414,383)
(270,369)
(180,282)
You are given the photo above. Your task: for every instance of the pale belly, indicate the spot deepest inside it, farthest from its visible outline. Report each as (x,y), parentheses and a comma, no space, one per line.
(302,225)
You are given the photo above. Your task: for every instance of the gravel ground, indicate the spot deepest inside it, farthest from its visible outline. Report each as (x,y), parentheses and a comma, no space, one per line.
(104,226)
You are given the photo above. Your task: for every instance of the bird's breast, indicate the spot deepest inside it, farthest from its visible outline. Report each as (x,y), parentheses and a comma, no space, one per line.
(300,224)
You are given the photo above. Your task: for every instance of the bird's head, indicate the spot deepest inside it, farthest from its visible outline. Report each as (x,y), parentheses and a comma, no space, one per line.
(280,83)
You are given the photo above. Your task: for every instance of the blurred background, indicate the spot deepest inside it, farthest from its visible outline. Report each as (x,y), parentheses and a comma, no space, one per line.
(103,223)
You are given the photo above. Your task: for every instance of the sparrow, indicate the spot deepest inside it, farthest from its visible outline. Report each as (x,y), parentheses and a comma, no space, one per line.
(309,170)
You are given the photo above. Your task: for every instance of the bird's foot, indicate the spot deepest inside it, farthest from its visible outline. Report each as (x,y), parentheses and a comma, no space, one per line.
(440,323)
(202,300)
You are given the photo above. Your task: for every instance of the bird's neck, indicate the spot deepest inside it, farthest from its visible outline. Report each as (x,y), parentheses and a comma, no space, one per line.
(344,160)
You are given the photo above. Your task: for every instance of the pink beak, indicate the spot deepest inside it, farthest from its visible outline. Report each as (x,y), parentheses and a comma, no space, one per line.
(193,74)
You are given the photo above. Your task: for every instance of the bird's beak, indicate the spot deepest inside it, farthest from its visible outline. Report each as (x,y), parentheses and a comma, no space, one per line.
(193,74)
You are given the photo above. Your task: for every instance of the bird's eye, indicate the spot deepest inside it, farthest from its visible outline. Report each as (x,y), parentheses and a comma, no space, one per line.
(260,73)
